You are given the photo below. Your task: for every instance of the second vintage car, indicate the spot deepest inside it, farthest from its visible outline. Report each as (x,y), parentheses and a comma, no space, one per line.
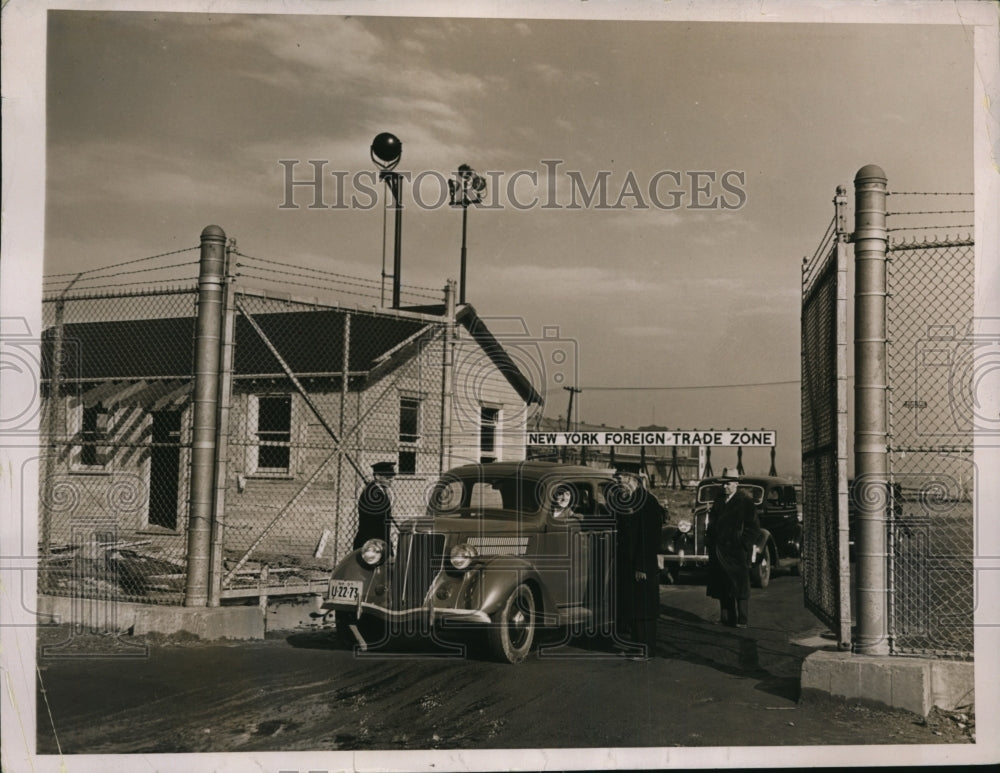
(504,547)
(780,542)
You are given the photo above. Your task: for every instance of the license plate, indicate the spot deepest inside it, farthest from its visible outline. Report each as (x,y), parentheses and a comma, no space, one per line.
(345,590)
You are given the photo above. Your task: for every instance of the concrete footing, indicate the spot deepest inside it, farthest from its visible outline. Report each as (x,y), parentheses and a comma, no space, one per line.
(912,684)
(101,616)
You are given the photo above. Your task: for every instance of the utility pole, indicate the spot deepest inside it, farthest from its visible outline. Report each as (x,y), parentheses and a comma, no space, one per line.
(569,411)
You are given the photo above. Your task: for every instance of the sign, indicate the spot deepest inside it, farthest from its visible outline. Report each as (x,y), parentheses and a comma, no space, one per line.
(728,437)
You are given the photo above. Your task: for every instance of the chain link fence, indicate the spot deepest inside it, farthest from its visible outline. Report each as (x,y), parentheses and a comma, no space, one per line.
(320,394)
(312,394)
(930,366)
(116,432)
(825,571)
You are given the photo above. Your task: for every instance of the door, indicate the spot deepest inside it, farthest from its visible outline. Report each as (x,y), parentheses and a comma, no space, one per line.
(164,469)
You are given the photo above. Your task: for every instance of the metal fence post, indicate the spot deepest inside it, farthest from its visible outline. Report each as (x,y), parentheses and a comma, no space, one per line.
(345,384)
(447,376)
(226,347)
(205,407)
(870,418)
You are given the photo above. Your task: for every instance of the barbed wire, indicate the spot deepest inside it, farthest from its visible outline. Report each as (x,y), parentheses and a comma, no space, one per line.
(124,263)
(121,285)
(930,227)
(934,212)
(929,193)
(823,245)
(324,272)
(123,273)
(333,288)
(302,284)
(372,286)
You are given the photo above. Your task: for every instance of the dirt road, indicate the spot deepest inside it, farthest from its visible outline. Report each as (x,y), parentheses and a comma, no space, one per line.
(711,686)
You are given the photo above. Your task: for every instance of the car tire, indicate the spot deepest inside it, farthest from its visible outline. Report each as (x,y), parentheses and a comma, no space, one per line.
(512,631)
(760,574)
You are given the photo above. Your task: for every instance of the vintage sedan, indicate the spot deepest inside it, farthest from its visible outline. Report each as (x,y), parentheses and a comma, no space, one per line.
(497,550)
(780,543)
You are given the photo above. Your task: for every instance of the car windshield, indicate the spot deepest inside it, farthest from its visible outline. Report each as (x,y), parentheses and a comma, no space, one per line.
(502,496)
(709,492)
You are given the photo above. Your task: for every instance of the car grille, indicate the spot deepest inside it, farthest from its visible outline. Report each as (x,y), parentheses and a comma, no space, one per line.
(419,558)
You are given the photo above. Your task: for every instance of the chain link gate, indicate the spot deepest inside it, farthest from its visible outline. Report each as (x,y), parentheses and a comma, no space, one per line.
(931,352)
(319,394)
(117,437)
(825,569)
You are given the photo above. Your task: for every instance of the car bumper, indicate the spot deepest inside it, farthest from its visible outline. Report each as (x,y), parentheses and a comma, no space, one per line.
(428,614)
(680,559)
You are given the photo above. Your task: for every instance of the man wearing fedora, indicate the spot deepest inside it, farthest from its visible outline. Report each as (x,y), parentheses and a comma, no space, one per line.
(729,538)
(375,505)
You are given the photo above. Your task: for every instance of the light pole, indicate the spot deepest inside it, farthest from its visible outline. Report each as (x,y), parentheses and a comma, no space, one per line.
(386,151)
(465,188)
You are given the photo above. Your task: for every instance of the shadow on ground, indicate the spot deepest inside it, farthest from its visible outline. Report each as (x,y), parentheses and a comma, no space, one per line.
(750,653)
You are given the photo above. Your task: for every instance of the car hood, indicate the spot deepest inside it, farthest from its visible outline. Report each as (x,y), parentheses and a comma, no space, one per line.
(454,525)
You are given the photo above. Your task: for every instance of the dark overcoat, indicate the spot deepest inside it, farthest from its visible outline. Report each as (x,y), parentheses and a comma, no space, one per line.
(374,513)
(639,523)
(733,528)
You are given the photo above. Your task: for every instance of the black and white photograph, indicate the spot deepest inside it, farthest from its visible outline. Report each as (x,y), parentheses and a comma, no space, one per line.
(437,386)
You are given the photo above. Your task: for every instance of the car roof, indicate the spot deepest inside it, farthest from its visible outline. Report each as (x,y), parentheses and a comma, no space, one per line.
(753,480)
(532,469)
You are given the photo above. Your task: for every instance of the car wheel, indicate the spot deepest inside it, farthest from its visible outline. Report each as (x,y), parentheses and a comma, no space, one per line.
(513,629)
(371,629)
(760,575)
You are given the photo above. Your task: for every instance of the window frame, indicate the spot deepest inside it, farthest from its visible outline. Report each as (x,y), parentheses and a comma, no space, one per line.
(497,433)
(102,452)
(255,446)
(408,443)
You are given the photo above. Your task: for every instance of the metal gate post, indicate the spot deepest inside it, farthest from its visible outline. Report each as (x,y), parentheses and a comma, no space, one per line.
(870,418)
(222,430)
(447,376)
(205,406)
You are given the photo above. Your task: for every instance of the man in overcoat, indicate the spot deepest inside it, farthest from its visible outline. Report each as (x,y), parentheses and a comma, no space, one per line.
(729,538)
(639,518)
(375,506)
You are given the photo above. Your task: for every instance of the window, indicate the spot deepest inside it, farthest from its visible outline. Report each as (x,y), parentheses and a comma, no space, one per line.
(274,433)
(409,434)
(489,426)
(95,424)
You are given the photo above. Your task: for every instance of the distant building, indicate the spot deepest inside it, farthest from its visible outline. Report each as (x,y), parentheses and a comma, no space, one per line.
(661,465)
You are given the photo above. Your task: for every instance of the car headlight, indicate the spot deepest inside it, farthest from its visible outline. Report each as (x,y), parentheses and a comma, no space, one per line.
(373,552)
(461,555)
(684,526)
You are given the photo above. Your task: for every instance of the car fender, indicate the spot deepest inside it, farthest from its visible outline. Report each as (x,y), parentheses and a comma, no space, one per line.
(668,536)
(350,567)
(499,576)
(766,542)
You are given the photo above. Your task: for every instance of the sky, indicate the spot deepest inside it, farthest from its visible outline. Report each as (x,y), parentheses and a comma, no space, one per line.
(125,134)
(678,308)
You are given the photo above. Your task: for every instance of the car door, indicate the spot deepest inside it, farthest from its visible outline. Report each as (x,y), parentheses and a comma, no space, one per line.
(563,557)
